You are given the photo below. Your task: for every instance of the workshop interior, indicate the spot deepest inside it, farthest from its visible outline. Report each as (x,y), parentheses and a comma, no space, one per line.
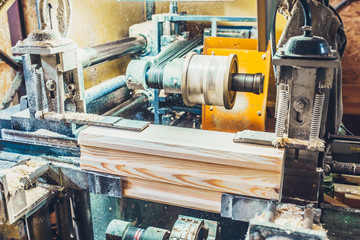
(179,120)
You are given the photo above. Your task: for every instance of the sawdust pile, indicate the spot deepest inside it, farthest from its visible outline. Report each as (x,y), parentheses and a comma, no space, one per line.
(45,132)
(33,194)
(15,174)
(289,215)
(286,141)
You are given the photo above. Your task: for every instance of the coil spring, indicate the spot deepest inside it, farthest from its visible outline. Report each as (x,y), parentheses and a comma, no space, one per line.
(282,110)
(316,116)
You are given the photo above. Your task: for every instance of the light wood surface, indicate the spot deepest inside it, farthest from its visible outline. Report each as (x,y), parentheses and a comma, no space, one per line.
(187,197)
(333,201)
(214,177)
(189,144)
(183,167)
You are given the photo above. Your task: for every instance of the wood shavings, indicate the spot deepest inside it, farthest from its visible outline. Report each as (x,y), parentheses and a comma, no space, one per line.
(45,132)
(34,194)
(286,141)
(289,215)
(15,174)
(73,117)
(316,144)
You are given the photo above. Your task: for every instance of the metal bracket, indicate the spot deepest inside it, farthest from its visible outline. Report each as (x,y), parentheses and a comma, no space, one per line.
(242,208)
(270,139)
(75,178)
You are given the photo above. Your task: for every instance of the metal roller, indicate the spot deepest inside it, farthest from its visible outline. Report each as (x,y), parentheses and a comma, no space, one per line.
(118,229)
(243,82)
(206,79)
(201,79)
(112,50)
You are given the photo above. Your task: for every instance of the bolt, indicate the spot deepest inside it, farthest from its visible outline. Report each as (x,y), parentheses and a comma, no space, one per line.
(110,209)
(327,168)
(211,108)
(71,87)
(212,53)
(263,57)
(259,113)
(300,104)
(50,84)
(72,235)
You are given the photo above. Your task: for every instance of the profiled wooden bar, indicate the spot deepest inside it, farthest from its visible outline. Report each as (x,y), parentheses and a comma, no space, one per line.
(183,167)
(187,197)
(189,144)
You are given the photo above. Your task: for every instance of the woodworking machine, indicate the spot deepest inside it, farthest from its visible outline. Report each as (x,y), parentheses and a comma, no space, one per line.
(225,77)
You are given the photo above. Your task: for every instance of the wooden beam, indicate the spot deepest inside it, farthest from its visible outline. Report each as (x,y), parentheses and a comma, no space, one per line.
(172,194)
(183,167)
(215,177)
(188,144)
(333,201)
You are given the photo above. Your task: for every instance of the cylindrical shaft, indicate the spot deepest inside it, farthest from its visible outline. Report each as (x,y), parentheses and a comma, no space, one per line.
(104,88)
(112,50)
(132,105)
(243,82)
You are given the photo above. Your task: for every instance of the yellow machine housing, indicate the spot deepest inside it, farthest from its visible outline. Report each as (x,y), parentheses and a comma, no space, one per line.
(249,111)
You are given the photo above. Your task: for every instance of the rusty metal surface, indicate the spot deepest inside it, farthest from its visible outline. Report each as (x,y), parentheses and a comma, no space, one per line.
(45,138)
(94,120)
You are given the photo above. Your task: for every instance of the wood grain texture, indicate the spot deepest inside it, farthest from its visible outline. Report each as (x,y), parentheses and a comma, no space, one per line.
(188,144)
(181,196)
(215,177)
(183,167)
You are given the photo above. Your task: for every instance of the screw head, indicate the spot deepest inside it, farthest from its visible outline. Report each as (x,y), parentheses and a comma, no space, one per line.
(51,84)
(263,57)
(211,108)
(258,113)
(300,104)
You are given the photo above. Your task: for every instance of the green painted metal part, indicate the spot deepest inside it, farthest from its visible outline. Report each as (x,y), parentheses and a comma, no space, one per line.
(152,233)
(118,228)
(123,230)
